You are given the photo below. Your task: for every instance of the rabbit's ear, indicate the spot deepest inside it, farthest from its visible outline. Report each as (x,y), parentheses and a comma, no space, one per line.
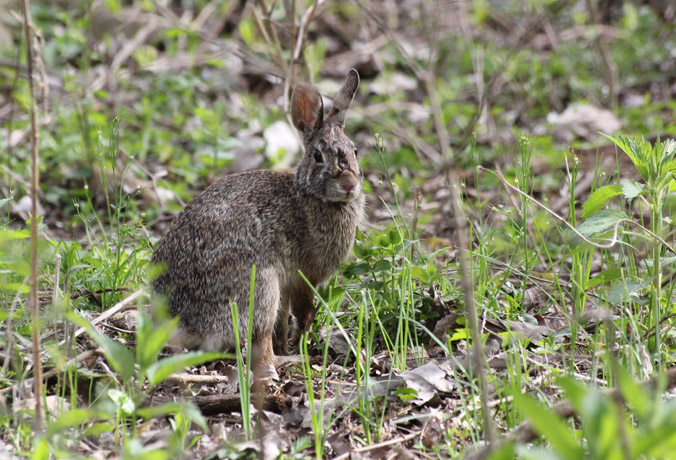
(307,109)
(342,101)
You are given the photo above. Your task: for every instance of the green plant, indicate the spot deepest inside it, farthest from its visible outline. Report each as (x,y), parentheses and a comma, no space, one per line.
(647,429)
(244,363)
(656,165)
(134,375)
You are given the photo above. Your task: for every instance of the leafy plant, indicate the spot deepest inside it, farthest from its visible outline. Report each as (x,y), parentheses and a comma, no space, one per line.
(656,165)
(647,429)
(137,373)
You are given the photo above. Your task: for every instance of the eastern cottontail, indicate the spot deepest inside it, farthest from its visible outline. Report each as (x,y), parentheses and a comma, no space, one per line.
(281,222)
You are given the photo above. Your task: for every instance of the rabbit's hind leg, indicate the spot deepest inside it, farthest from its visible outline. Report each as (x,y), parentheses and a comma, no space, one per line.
(303,309)
(266,306)
(281,337)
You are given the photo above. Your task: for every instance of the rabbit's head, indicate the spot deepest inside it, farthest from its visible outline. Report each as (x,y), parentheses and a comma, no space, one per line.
(329,169)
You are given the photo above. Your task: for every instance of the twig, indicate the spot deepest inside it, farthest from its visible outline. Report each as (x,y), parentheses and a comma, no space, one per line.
(35,184)
(378,445)
(108,313)
(298,47)
(185,379)
(224,404)
(129,48)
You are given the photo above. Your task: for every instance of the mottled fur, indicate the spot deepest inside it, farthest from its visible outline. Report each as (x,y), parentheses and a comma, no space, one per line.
(282,222)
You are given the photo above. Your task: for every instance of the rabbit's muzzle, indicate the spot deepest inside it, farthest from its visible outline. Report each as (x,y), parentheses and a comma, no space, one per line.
(349,183)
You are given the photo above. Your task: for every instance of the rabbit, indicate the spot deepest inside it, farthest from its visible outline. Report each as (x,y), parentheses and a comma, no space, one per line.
(282,222)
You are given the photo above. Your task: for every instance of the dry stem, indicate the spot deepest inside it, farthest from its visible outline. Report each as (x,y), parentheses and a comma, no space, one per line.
(35,184)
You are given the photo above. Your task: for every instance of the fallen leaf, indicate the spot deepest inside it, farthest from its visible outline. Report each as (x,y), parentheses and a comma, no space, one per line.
(583,121)
(267,448)
(427,380)
(433,432)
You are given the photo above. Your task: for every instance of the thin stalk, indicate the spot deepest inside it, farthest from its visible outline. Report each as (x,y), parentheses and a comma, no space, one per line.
(35,184)
(317,419)
(576,265)
(244,384)
(470,306)
(525,180)
(656,228)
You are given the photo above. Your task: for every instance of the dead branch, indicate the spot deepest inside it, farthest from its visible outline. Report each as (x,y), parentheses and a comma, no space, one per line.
(225,404)
(185,379)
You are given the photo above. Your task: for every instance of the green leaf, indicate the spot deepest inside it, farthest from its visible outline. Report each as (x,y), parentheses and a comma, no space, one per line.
(8,235)
(550,425)
(117,355)
(394,235)
(189,410)
(605,276)
(123,401)
(599,418)
(162,369)
(635,396)
(505,452)
(383,265)
(637,149)
(460,334)
(598,199)
(663,260)
(76,417)
(406,393)
(601,221)
(358,269)
(97,429)
(631,189)
(626,290)
(659,441)
(41,450)
(247,31)
(151,338)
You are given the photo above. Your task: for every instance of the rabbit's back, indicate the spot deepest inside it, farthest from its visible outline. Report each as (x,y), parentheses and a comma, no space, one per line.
(206,255)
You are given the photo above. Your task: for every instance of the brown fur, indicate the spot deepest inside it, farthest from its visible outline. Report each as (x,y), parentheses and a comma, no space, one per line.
(281,222)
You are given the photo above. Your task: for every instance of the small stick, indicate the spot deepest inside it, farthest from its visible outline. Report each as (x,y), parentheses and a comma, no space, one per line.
(35,185)
(108,313)
(184,379)
(389,442)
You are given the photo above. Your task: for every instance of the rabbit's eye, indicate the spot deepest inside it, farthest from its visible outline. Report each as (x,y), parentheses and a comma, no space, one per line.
(355,151)
(318,156)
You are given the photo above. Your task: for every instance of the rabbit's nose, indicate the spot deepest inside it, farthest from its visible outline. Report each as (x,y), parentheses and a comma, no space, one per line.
(347,181)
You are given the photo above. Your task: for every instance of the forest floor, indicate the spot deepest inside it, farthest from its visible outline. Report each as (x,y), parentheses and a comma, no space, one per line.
(567,233)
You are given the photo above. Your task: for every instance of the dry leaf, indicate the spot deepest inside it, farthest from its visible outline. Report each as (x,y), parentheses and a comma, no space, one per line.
(427,380)
(583,121)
